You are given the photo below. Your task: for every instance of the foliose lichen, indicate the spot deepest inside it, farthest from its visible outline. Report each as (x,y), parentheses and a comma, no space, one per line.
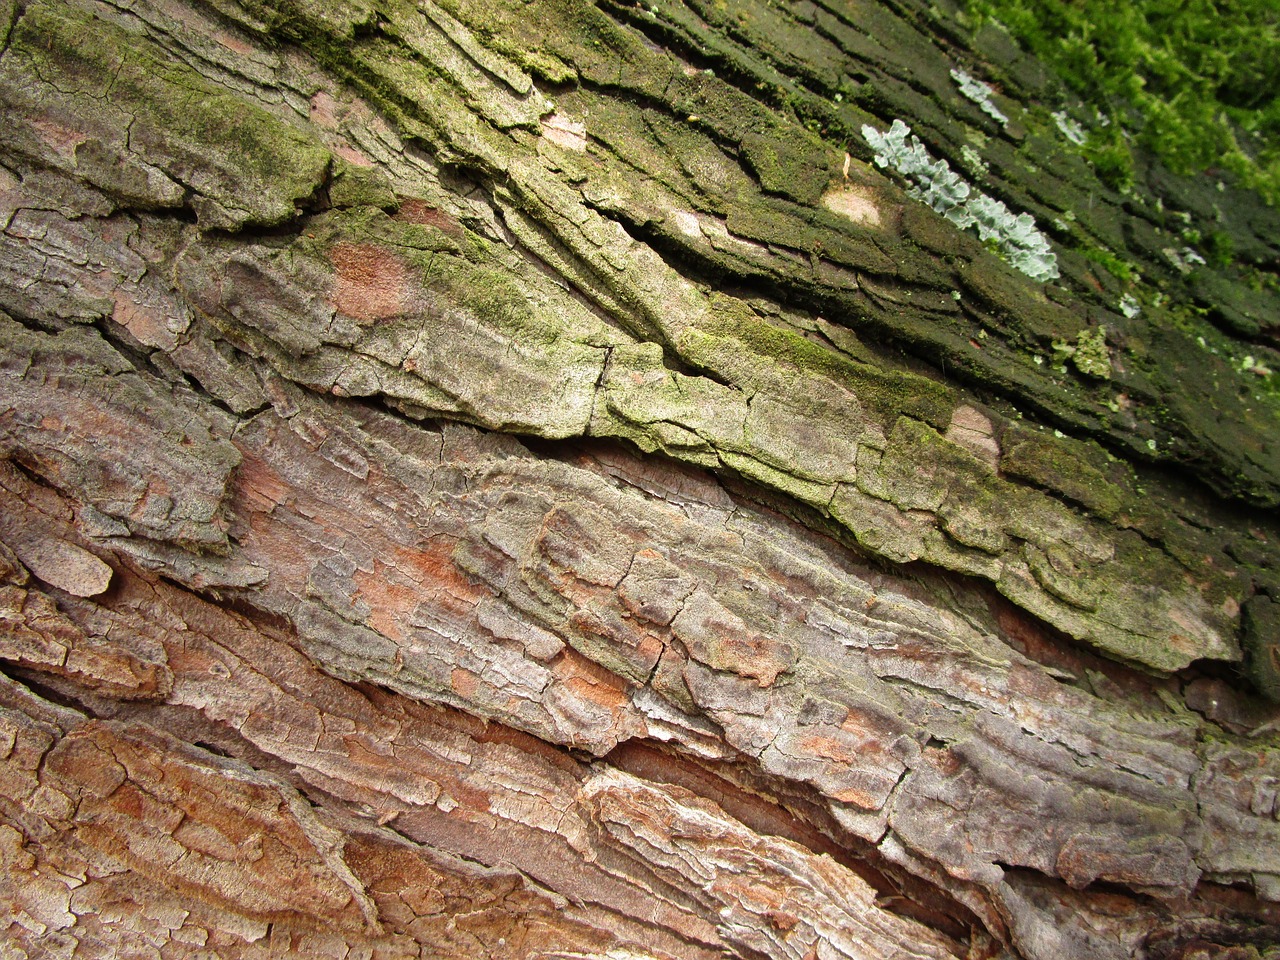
(980,93)
(1184,260)
(1016,238)
(1069,128)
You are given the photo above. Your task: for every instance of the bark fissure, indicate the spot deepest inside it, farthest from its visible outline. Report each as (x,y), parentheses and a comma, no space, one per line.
(481,482)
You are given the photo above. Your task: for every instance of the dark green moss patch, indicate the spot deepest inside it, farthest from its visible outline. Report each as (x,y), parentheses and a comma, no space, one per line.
(1049,464)
(1198,82)
(354,186)
(888,394)
(241,164)
(1261,634)
(791,165)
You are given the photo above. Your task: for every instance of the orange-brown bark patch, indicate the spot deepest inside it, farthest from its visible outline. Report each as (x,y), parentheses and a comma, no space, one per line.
(433,564)
(354,156)
(390,602)
(464,682)
(242,842)
(146,323)
(371,284)
(416,211)
(589,680)
(258,486)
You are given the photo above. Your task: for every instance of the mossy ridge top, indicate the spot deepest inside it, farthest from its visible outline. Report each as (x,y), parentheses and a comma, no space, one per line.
(623,271)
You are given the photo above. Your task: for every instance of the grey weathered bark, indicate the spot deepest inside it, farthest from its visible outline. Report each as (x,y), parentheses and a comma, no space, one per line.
(514,479)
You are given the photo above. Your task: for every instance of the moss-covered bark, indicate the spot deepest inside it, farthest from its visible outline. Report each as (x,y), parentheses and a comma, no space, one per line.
(561,391)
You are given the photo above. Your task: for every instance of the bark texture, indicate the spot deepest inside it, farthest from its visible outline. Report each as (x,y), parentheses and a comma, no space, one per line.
(515,480)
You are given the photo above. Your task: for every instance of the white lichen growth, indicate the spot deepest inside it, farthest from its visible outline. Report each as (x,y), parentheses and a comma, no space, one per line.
(980,93)
(1069,128)
(1184,260)
(1016,238)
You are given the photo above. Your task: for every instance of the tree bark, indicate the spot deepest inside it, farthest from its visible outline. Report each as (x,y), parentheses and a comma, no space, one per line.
(504,479)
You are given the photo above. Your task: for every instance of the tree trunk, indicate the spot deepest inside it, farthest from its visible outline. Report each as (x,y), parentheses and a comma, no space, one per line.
(506,479)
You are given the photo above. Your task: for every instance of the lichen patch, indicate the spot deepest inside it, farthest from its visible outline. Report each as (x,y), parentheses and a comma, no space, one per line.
(854,203)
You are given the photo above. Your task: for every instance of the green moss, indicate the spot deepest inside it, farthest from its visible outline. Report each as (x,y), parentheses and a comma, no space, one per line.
(1050,464)
(806,491)
(1196,82)
(8,11)
(785,163)
(415,242)
(972,515)
(354,186)
(244,164)
(1119,268)
(297,19)
(1089,354)
(1112,160)
(918,467)
(1220,249)
(1261,633)
(888,394)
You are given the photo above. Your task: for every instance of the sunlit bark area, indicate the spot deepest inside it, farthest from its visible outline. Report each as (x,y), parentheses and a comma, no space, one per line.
(564,480)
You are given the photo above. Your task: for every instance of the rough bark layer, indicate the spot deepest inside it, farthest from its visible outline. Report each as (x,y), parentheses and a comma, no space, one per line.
(514,480)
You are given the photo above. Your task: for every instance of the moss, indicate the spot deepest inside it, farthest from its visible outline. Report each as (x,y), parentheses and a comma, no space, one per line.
(1224,418)
(1261,635)
(887,394)
(579,41)
(918,467)
(1050,464)
(822,234)
(806,491)
(418,243)
(1234,305)
(1112,160)
(8,13)
(1062,577)
(354,186)
(794,166)
(1118,267)
(244,164)
(297,19)
(878,526)
(972,515)
(1198,83)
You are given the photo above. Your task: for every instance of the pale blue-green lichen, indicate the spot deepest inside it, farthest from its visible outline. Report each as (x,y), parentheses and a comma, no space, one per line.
(980,93)
(1016,238)
(1069,128)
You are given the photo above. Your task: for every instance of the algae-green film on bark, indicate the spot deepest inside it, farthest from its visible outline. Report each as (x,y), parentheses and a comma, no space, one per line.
(522,480)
